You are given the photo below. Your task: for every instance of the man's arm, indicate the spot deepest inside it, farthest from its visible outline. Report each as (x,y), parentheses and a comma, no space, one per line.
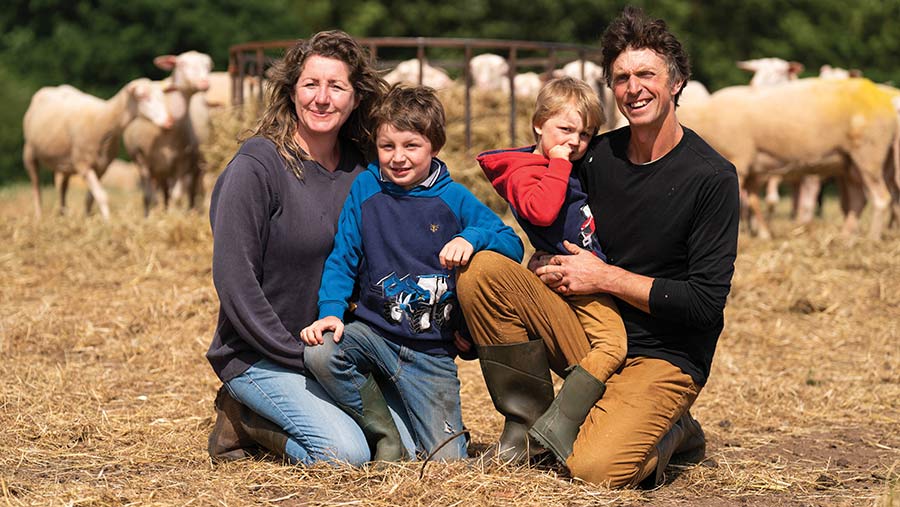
(584,273)
(698,300)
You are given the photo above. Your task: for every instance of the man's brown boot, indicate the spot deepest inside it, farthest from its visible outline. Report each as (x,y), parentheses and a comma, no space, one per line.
(228,441)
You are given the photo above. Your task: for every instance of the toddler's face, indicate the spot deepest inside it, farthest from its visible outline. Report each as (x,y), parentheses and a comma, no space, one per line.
(564,131)
(403,156)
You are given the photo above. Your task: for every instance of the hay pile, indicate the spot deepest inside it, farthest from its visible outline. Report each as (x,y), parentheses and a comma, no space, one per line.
(107,398)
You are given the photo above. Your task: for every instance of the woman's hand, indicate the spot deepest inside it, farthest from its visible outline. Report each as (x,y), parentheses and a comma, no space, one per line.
(456,252)
(312,334)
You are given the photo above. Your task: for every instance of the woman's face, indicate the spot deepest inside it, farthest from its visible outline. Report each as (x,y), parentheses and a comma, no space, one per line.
(323,96)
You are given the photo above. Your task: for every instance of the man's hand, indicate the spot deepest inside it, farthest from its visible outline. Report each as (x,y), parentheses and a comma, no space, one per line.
(456,252)
(312,334)
(577,273)
(584,273)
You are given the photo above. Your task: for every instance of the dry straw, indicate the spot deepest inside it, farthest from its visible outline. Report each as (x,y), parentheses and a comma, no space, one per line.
(107,398)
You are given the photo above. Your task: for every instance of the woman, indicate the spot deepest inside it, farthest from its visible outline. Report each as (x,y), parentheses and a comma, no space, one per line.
(274,213)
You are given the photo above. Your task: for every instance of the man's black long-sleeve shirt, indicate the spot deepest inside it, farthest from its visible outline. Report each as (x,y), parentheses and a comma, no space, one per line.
(675,220)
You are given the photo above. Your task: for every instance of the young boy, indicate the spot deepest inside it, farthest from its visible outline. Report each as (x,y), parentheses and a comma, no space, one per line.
(549,204)
(404,227)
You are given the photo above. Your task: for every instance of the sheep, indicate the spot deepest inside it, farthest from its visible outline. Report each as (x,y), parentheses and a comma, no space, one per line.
(828,72)
(489,72)
(693,92)
(408,72)
(587,71)
(220,92)
(72,132)
(166,156)
(528,84)
(807,125)
(771,71)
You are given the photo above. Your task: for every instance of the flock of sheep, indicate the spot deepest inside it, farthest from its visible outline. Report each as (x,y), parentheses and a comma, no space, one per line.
(71,132)
(777,128)
(801,130)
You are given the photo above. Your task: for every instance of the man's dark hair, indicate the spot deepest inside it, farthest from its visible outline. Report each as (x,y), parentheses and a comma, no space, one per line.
(633,29)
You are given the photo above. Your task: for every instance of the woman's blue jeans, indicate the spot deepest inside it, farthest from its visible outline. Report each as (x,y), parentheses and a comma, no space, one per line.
(318,430)
(427,384)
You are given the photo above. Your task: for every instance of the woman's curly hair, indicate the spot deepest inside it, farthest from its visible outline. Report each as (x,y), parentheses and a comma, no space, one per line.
(278,122)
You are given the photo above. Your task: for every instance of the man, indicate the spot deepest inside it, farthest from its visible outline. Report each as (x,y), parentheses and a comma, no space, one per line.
(666,208)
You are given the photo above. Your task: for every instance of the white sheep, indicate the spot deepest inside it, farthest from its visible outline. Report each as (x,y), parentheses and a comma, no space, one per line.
(771,71)
(528,84)
(164,156)
(220,92)
(803,126)
(693,92)
(489,72)
(72,132)
(828,72)
(408,72)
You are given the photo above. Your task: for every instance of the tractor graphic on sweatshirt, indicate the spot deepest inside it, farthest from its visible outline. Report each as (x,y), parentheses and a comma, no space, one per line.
(425,302)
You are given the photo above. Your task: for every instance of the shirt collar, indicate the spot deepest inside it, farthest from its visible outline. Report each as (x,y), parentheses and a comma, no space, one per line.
(433,175)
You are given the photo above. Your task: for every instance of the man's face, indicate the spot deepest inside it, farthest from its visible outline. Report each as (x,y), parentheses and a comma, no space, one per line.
(640,83)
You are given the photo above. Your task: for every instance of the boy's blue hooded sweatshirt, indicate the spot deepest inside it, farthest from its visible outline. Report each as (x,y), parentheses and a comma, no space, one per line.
(389,239)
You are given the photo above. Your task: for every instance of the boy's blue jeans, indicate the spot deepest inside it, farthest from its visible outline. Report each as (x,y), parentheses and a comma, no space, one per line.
(318,430)
(427,384)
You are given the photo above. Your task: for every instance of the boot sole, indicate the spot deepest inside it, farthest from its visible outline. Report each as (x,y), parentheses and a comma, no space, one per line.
(547,445)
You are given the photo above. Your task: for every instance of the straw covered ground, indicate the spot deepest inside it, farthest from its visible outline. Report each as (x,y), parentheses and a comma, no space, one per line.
(107,398)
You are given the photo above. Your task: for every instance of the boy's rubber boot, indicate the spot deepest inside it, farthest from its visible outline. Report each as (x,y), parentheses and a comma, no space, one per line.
(517,376)
(557,428)
(377,424)
(228,441)
(265,433)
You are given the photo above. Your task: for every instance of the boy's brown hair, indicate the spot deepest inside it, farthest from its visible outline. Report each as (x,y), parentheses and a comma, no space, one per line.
(412,109)
(562,93)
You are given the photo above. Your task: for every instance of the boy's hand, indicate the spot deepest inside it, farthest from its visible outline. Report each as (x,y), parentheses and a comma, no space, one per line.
(461,342)
(312,334)
(560,151)
(538,259)
(456,252)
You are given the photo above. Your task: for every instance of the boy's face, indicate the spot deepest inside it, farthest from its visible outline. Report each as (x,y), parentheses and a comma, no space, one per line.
(404,156)
(565,128)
